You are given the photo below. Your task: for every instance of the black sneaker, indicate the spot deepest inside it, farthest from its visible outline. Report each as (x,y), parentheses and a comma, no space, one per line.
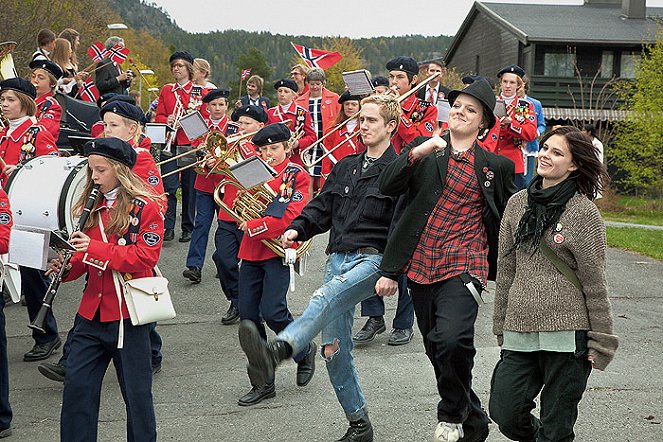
(54,372)
(231,316)
(257,395)
(193,273)
(360,431)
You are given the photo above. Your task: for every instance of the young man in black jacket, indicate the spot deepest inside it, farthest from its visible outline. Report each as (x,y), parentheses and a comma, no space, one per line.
(446,244)
(358,217)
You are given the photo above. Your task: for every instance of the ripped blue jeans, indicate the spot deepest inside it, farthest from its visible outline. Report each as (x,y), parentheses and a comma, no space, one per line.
(349,279)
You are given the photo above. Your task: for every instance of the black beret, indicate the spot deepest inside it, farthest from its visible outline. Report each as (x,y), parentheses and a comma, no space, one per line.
(48,66)
(256,112)
(271,134)
(286,82)
(181,55)
(112,96)
(123,109)
(113,148)
(405,64)
(469,79)
(216,93)
(346,96)
(512,69)
(380,81)
(482,91)
(19,85)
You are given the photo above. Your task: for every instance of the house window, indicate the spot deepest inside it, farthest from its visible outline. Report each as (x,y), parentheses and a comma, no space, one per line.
(607,63)
(630,61)
(558,64)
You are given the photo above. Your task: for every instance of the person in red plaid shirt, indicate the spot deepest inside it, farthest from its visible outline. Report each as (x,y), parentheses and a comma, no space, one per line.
(446,244)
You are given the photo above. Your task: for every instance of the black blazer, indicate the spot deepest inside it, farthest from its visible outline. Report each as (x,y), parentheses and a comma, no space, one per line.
(245,100)
(106,80)
(422,183)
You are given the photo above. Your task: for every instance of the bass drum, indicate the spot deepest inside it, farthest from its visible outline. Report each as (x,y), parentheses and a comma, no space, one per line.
(43,191)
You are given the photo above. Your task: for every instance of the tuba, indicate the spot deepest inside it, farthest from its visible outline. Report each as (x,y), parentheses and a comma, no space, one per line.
(251,204)
(7,69)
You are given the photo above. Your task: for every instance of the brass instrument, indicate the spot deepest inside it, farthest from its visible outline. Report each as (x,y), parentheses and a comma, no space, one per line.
(305,157)
(7,69)
(179,113)
(251,204)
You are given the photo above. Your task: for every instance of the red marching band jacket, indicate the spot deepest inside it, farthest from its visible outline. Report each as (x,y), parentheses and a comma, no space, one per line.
(347,145)
(168,102)
(300,121)
(247,150)
(27,141)
(508,140)
(292,193)
(6,222)
(419,118)
(133,254)
(206,183)
(49,113)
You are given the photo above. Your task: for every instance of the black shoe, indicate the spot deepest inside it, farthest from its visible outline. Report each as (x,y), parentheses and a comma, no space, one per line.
(306,367)
(372,328)
(54,372)
(193,273)
(257,395)
(6,432)
(263,357)
(231,316)
(400,336)
(168,235)
(359,431)
(186,237)
(42,351)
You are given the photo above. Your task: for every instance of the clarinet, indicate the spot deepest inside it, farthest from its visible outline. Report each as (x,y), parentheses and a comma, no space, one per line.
(40,319)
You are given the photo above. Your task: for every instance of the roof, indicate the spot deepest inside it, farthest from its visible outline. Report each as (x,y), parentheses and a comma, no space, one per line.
(556,113)
(564,23)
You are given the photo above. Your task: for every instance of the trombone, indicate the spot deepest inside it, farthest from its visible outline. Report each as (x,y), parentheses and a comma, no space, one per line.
(251,204)
(304,154)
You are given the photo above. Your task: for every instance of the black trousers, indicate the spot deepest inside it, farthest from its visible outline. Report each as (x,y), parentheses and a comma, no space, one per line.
(519,377)
(446,312)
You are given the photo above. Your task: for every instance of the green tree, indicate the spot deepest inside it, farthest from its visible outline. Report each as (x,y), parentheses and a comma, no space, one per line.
(255,60)
(638,147)
(352,60)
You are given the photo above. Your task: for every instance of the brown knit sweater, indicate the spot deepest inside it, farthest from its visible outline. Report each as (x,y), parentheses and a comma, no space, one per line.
(532,295)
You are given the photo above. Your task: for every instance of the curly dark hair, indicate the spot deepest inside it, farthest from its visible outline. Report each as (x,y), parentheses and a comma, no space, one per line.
(591,176)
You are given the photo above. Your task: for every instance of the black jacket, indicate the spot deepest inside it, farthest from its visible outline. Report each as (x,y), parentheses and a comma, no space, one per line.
(351,206)
(106,78)
(422,183)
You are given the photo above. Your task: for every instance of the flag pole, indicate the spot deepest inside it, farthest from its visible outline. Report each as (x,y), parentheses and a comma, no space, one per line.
(241,80)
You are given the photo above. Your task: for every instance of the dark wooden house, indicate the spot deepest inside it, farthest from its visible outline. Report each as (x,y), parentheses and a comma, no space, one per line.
(557,45)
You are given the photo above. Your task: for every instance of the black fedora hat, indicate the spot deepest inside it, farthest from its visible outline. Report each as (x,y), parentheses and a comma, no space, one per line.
(482,91)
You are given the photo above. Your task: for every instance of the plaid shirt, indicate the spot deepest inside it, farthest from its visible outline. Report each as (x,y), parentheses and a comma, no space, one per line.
(454,240)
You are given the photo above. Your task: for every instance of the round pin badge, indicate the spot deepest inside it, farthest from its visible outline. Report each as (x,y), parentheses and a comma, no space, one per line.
(558,238)
(487,184)
(121,242)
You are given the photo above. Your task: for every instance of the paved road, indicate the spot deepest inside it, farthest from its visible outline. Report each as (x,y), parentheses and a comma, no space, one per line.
(204,371)
(632,225)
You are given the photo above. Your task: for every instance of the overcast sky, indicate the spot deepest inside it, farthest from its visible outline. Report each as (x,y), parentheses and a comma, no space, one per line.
(356,18)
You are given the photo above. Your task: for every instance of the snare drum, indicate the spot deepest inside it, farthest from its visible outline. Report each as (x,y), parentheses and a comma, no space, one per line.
(43,191)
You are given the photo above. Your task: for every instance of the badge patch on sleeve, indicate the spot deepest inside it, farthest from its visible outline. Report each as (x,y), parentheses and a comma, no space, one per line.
(151,238)
(153,180)
(429,126)
(5,218)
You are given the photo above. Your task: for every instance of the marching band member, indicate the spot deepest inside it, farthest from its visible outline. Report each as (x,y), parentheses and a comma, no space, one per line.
(201,73)
(45,76)
(446,244)
(45,44)
(133,222)
(121,120)
(228,236)
(323,106)
(358,218)
(519,125)
(419,116)
(263,278)
(344,137)
(5,408)
(254,87)
(175,100)
(97,129)
(216,102)
(381,84)
(21,141)
(296,117)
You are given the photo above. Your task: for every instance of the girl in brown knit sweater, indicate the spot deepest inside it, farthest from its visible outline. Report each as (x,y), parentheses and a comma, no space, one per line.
(552,334)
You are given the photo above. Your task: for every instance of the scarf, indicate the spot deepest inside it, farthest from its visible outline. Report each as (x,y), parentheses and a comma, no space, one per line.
(544,208)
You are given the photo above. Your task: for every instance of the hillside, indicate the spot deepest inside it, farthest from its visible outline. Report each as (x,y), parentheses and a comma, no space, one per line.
(276,49)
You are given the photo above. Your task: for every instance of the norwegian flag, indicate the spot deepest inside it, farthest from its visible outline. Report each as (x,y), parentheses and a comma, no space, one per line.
(317,58)
(246,73)
(97,51)
(88,91)
(117,53)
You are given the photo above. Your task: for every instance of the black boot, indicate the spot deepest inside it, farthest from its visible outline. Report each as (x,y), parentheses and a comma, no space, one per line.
(360,431)
(263,357)
(306,367)
(257,395)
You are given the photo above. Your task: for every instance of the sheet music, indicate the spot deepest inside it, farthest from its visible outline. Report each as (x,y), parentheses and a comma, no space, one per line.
(358,82)
(443,108)
(29,248)
(194,125)
(156,132)
(252,172)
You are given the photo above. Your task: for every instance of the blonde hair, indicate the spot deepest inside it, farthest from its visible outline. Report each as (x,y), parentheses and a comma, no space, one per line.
(203,65)
(258,81)
(131,187)
(60,55)
(390,108)
(71,35)
(27,103)
(302,69)
(520,88)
